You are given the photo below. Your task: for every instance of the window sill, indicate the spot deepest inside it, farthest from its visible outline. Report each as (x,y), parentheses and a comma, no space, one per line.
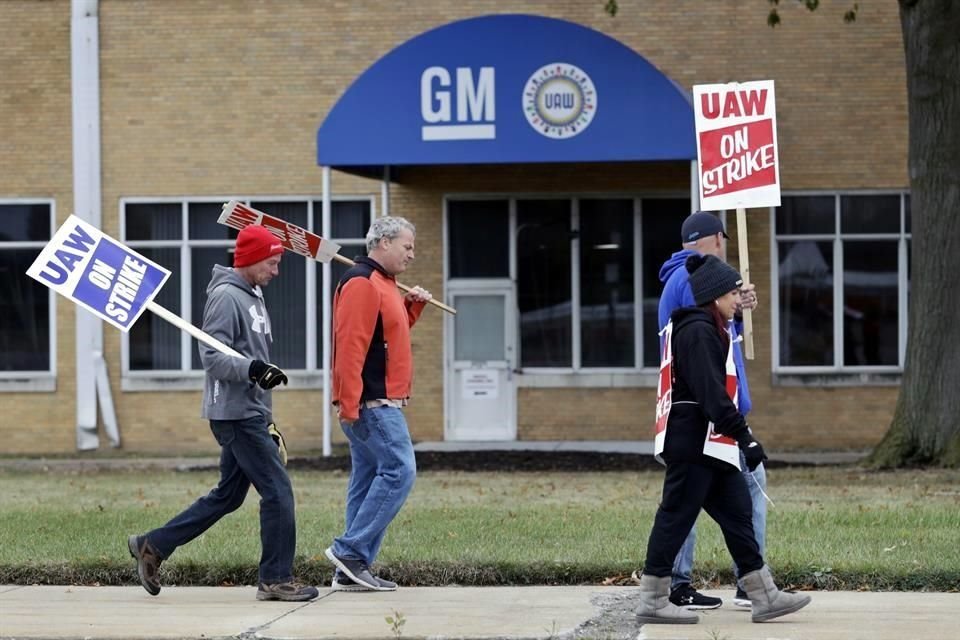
(585,380)
(838,379)
(193,380)
(28,383)
(162,381)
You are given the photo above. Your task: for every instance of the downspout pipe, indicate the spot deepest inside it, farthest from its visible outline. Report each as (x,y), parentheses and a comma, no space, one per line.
(385,192)
(85,99)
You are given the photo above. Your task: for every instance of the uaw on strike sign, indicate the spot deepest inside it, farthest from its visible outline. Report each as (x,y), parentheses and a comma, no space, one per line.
(737,145)
(293,238)
(97,272)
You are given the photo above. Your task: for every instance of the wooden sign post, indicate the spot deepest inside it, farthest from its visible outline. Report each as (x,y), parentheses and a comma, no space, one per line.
(743,247)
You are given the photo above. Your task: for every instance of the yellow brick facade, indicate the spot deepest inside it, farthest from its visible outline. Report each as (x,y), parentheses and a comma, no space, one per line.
(209,98)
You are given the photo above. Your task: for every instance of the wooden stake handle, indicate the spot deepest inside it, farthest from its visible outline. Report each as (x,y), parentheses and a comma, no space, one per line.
(745,273)
(347,261)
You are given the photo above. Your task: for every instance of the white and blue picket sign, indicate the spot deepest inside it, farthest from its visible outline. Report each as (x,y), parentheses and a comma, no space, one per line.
(100,274)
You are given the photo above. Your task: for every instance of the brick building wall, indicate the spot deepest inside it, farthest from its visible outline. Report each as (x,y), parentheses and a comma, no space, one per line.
(36,163)
(219,97)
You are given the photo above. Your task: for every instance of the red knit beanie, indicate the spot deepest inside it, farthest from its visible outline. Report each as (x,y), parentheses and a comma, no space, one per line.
(255,243)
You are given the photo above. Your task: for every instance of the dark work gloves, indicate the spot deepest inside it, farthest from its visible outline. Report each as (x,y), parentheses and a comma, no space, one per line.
(266,375)
(753,451)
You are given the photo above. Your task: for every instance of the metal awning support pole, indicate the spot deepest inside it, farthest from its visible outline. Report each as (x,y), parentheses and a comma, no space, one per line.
(85,99)
(327,316)
(385,192)
(694,186)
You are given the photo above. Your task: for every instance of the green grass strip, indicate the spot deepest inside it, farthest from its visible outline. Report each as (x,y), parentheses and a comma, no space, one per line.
(830,528)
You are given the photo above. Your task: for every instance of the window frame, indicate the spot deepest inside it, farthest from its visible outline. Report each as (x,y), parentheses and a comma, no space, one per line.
(187,378)
(576,375)
(840,374)
(35,381)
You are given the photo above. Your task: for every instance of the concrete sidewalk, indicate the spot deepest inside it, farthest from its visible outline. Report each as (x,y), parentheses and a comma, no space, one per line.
(592,612)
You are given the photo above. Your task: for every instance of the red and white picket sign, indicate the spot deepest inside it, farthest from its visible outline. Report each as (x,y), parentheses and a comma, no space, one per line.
(664,391)
(297,239)
(737,159)
(737,145)
(716,445)
(293,238)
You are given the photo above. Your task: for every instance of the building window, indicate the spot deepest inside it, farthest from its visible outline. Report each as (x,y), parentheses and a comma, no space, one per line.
(349,222)
(480,232)
(607,299)
(580,266)
(544,289)
(842,274)
(26,306)
(185,237)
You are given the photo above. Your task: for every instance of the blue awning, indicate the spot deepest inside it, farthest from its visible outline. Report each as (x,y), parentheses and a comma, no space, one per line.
(507,89)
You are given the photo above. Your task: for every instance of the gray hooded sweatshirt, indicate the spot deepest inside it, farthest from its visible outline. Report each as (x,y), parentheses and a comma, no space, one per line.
(236,316)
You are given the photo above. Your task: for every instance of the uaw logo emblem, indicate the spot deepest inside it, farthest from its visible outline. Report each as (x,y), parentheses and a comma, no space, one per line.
(559,100)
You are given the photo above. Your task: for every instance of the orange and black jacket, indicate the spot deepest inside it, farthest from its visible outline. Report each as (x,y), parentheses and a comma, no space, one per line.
(372,358)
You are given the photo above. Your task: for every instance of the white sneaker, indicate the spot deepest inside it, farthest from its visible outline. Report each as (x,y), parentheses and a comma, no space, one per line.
(343,583)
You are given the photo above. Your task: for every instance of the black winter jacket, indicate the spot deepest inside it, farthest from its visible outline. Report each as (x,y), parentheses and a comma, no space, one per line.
(699,390)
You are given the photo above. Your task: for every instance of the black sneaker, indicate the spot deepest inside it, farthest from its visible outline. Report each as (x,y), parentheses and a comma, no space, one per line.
(342,583)
(742,600)
(356,570)
(687,597)
(386,585)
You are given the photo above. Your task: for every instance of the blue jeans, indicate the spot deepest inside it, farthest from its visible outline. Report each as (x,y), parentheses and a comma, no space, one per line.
(383,469)
(683,565)
(248,455)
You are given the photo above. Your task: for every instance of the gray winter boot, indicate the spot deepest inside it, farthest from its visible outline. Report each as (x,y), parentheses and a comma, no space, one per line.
(768,601)
(655,606)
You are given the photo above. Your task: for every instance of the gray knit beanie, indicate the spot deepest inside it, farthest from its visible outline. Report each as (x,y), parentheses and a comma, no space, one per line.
(710,278)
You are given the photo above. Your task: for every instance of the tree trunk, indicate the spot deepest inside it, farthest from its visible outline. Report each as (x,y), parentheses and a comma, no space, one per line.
(926,422)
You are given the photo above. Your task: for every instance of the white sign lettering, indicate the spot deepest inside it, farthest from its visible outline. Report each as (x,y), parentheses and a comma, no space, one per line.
(475,104)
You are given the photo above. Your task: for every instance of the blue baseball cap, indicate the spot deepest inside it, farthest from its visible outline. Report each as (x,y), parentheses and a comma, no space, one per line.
(700,225)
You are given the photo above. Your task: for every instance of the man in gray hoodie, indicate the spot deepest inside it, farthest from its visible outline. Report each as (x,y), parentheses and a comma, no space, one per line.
(237,402)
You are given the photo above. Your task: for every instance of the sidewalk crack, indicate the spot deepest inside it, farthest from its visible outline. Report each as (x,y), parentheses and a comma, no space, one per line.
(251,633)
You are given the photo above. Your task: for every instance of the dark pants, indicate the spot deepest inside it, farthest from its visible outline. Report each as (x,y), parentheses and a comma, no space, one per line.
(248,455)
(723,494)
